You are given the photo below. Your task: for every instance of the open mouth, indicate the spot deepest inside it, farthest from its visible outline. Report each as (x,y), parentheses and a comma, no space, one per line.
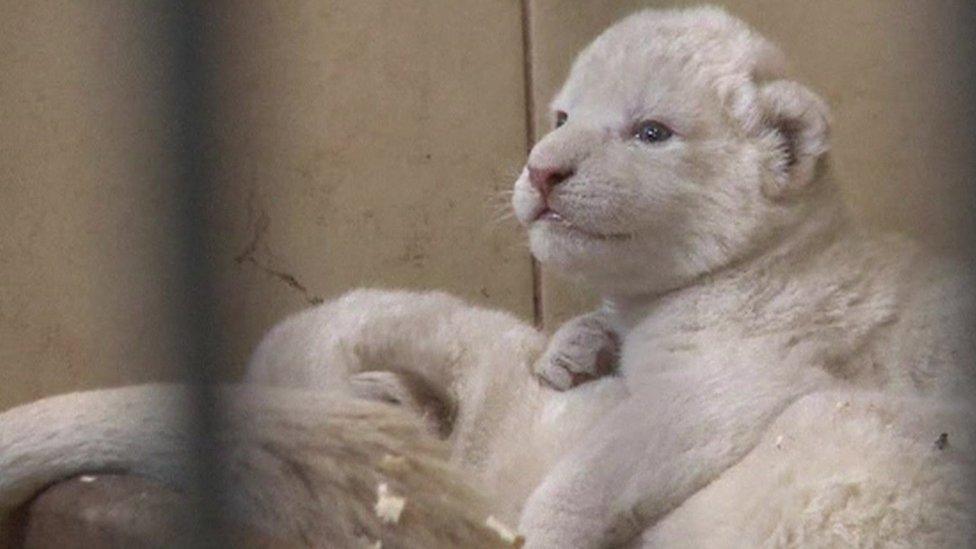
(548,215)
(552,216)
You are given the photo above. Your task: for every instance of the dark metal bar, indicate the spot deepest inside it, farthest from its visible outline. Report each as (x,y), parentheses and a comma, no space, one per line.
(190,35)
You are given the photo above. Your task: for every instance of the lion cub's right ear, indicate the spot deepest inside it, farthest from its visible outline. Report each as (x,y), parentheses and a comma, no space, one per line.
(798,120)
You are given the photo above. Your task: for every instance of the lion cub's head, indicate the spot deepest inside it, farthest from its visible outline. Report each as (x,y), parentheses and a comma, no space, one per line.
(677,148)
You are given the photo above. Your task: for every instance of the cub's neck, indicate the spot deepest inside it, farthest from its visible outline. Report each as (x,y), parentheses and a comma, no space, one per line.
(824,267)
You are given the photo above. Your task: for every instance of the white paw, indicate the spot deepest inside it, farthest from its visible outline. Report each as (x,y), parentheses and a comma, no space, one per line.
(581,350)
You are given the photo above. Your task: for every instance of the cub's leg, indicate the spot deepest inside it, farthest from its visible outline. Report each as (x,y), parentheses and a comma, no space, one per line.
(583,349)
(680,428)
(426,351)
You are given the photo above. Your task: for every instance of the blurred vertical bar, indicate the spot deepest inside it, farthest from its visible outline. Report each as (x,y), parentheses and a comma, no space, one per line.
(191,107)
(104,193)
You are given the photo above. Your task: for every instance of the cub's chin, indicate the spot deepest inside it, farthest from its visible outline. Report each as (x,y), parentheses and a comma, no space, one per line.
(574,251)
(637,264)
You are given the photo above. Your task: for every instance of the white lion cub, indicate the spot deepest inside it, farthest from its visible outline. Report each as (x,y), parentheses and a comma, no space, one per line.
(762,373)
(787,376)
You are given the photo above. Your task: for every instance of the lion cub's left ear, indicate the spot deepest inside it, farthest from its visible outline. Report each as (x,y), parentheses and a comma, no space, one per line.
(798,122)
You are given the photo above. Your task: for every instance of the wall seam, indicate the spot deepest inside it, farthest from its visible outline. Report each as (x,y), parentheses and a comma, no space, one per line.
(528,88)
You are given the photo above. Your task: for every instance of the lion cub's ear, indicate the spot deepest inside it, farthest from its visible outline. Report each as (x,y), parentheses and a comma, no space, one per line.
(797,121)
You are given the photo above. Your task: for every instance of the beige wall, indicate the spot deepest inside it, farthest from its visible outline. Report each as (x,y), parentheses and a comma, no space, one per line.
(84,238)
(369,143)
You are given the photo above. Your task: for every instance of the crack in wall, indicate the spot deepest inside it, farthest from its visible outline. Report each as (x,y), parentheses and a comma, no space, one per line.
(248,255)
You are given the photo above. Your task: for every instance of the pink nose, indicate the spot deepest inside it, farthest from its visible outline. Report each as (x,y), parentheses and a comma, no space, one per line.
(544,179)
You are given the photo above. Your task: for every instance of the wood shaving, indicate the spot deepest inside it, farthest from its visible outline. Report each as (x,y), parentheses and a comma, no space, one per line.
(388,506)
(504,532)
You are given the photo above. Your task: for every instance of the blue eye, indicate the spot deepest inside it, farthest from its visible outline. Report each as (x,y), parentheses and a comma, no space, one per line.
(561,118)
(652,131)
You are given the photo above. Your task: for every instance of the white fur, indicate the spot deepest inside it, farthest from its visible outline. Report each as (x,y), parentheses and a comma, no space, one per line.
(476,361)
(742,292)
(783,377)
(302,469)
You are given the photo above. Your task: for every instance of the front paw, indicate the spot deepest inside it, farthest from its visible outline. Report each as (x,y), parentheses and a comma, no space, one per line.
(582,350)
